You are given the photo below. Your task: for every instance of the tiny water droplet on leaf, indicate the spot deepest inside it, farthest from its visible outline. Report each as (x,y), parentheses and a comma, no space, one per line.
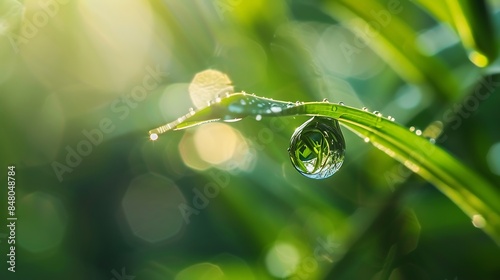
(364,109)
(317,148)
(341,103)
(325,99)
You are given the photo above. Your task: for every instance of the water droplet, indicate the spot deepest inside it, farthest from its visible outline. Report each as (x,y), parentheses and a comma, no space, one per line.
(243,102)
(325,99)
(297,103)
(367,139)
(377,113)
(289,105)
(341,103)
(317,148)
(432,141)
(412,128)
(258,117)
(418,132)
(153,136)
(478,221)
(364,109)
(231,120)
(275,109)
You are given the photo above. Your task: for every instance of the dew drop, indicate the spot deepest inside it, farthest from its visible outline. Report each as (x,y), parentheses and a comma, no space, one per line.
(153,136)
(258,117)
(412,128)
(325,99)
(377,113)
(341,103)
(364,109)
(243,102)
(289,105)
(418,132)
(230,120)
(297,103)
(367,139)
(275,109)
(317,148)
(432,140)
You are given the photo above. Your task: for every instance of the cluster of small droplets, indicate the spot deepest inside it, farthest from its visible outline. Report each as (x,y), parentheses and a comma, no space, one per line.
(391,118)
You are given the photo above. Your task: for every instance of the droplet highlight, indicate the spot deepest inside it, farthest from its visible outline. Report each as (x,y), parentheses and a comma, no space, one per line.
(317,148)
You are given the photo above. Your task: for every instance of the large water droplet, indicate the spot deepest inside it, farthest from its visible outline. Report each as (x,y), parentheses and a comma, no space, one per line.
(317,148)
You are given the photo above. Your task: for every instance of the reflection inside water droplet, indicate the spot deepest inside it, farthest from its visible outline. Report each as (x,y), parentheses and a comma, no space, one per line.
(317,148)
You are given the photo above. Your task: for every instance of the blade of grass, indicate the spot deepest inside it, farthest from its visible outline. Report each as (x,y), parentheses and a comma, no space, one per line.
(393,41)
(466,189)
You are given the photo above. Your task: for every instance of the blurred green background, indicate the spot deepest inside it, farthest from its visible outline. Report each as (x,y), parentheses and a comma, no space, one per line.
(81,83)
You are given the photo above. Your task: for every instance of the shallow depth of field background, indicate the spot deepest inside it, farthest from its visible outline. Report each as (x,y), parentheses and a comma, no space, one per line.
(81,83)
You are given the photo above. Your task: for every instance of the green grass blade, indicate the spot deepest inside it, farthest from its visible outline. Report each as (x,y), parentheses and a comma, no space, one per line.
(391,37)
(471,193)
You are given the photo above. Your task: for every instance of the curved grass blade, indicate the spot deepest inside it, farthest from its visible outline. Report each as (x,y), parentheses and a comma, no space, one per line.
(392,39)
(468,191)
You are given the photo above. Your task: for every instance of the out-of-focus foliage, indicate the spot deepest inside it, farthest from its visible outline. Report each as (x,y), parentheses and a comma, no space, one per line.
(81,83)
